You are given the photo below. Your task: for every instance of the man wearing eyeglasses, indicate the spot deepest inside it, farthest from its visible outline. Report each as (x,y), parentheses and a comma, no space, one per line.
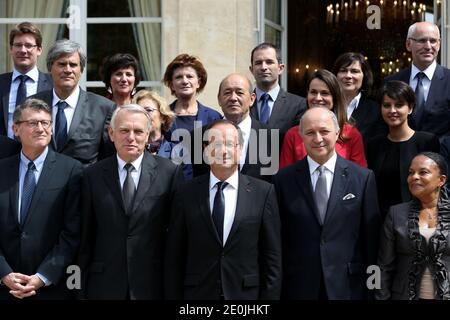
(25,41)
(430,81)
(224,240)
(39,210)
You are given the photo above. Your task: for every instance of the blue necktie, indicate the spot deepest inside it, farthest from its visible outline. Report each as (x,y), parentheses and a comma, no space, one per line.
(29,184)
(22,89)
(264,110)
(320,194)
(420,101)
(61,125)
(219,208)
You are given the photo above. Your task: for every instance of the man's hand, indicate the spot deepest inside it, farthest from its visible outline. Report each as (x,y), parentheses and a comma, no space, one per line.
(21,285)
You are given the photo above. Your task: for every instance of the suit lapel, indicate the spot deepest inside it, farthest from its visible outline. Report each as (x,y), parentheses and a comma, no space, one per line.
(146,180)
(204,207)
(79,113)
(437,86)
(254,110)
(5,86)
(303,181)
(243,205)
(277,112)
(112,181)
(42,82)
(340,180)
(12,177)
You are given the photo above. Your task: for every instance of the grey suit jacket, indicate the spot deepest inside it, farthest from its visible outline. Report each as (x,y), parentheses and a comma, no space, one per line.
(123,254)
(44,83)
(248,266)
(87,138)
(47,241)
(436,116)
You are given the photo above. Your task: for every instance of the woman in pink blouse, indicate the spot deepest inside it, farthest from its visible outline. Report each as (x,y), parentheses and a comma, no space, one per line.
(324,90)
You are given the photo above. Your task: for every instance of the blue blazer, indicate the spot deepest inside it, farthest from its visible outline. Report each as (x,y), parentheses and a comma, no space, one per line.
(436,116)
(44,83)
(338,251)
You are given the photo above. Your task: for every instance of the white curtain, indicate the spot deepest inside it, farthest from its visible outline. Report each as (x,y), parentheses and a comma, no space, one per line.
(148,37)
(34,9)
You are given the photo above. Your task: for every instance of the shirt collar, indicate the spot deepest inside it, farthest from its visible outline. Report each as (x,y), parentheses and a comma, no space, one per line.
(136,163)
(272,93)
(33,74)
(329,165)
(245,125)
(38,162)
(232,180)
(429,72)
(355,100)
(71,100)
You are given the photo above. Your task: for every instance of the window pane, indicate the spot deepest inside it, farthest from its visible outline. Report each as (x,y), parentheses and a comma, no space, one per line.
(273,36)
(143,40)
(124,8)
(33,8)
(273,10)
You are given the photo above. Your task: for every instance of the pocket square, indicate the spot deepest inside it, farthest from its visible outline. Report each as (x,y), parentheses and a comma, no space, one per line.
(349,196)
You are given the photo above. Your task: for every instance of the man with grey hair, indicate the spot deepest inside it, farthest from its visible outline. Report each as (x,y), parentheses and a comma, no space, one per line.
(430,81)
(80,118)
(39,210)
(125,211)
(329,217)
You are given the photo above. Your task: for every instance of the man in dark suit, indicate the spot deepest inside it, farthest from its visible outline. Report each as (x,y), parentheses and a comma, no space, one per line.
(80,118)
(39,210)
(125,212)
(8,147)
(329,216)
(430,80)
(236,97)
(25,43)
(224,238)
(273,106)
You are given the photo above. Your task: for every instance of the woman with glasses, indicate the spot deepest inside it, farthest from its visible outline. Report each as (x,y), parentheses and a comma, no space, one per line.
(324,90)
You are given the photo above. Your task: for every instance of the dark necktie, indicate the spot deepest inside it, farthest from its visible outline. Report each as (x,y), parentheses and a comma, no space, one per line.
(29,184)
(320,194)
(420,101)
(22,89)
(61,125)
(128,189)
(219,208)
(265,110)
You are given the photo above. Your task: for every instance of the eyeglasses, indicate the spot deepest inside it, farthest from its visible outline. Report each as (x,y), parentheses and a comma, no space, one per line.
(423,41)
(33,124)
(27,46)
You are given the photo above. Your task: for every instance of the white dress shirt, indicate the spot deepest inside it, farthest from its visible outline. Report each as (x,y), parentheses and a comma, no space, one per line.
(426,81)
(273,96)
(353,105)
(135,173)
(230,193)
(328,172)
(246,127)
(72,101)
(31,86)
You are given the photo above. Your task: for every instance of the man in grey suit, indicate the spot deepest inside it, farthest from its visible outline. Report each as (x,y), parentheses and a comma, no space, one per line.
(224,238)
(25,47)
(80,118)
(430,80)
(273,106)
(329,217)
(125,213)
(39,210)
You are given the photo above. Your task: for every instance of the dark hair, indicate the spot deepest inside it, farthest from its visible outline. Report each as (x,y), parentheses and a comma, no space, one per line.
(338,97)
(33,104)
(120,61)
(225,121)
(399,91)
(438,159)
(186,60)
(26,28)
(346,59)
(266,45)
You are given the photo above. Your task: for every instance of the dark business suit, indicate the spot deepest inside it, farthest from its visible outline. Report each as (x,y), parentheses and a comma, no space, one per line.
(248,266)
(286,112)
(8,147)
(436,115)
(47,241)
(367,119)
(338,252)
(121,256)
(44,83)
(252,169)
(87,139)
